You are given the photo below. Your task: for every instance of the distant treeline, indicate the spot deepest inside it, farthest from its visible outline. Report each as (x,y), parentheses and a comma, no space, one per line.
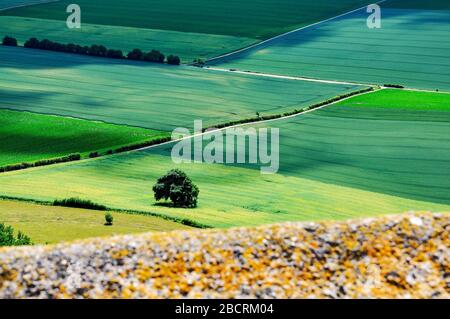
(153,56)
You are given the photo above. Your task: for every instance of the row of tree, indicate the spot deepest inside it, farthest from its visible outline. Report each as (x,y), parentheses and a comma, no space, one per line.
(154,56)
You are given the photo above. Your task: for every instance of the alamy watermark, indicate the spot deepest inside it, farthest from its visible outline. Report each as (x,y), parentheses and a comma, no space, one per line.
(235,145)
(374,19)
(74,19)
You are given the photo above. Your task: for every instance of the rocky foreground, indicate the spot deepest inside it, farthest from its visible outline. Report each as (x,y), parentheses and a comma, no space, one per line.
(405,256)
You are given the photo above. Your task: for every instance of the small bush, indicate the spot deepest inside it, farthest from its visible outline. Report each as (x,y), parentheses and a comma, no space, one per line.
(142,144)
(78,203)
(199,63)
(191,223)
(396,86)
(7,237)
(12,42)
(93,155)
(173,60)
(109,219)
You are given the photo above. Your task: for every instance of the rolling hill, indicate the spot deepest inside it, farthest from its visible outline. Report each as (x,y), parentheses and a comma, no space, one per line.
(410,49)
(346,160)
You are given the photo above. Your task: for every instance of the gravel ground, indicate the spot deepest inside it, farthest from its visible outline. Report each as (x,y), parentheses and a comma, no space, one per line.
(406,256)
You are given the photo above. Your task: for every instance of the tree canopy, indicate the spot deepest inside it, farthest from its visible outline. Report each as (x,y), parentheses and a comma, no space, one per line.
(177,187)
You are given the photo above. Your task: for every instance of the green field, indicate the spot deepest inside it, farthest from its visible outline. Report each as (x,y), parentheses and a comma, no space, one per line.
(410,49)
(399,101)
(347,160)
(28,137)
(188,46)
(418,4)
(152,96)
(50,224)
(5,4)
(384,152)
(190,29)
(232,17)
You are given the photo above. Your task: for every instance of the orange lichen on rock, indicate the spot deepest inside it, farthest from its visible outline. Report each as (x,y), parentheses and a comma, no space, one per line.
(404,256)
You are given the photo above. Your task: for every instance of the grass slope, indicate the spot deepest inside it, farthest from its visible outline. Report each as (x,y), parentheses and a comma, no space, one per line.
(188,46)
(153,96)
(410,49)
(343,161)
(49,224)
(28,137)
(251,18)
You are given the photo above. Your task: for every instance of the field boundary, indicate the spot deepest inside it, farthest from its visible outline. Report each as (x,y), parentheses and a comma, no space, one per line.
(287,33)
(317,80)
(77,156)
(178,220)
(305,110)
(286,77)
(135,147)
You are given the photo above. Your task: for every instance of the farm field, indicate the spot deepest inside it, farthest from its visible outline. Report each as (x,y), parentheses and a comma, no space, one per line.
(346,160)
(28,137)
(50,224)
(158,97)
(192,29)
(233,17)
(419,4)
(410,49)
(399,101)
(188,46)
(5,4)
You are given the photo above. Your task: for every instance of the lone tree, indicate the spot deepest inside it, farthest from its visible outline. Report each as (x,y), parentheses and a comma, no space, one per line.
(109,219)
(177,187)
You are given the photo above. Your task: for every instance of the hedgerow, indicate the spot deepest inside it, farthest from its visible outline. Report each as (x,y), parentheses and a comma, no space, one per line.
(153,56)
(64,159)
(78,203)
(294,112)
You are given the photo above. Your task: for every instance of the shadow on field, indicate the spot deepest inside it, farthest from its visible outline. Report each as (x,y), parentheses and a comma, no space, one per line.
(24,58)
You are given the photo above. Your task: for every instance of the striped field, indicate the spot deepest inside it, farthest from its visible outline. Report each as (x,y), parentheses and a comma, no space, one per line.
(252,18)
(28,137)
(410,49)
(342,161)
(188,46)
(190,29)
(152,96)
